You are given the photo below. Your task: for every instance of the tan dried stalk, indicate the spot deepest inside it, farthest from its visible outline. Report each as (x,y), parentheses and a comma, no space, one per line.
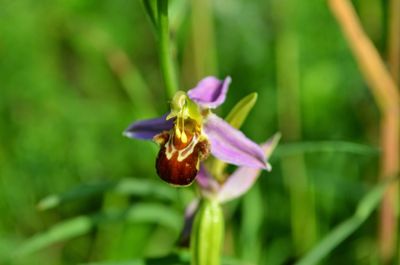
(386,95)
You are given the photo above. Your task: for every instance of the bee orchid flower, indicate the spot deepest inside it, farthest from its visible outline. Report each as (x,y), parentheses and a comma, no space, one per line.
(235,185)
(191,131)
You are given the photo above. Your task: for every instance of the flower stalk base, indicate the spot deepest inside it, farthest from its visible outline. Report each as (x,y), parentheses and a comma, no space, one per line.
(207,234)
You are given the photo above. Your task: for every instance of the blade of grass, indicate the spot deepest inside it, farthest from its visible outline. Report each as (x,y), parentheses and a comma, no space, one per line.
(297,181)
(364,209)
(253,209)
(325,147)
(128,186)
(141,212)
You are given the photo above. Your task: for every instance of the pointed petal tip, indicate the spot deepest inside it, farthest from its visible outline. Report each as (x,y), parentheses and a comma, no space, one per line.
(147,129)
(128,134)
(232,146)
(239,182)
(270,145)
(228,79)
(243,178)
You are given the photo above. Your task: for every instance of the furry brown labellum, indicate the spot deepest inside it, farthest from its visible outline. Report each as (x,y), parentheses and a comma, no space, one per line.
(178,161)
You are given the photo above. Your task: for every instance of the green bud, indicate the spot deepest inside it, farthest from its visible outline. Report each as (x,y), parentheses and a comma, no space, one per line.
(207,234)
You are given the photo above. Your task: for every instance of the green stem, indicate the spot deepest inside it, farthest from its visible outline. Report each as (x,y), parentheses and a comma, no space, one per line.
(167,66)
(207,234)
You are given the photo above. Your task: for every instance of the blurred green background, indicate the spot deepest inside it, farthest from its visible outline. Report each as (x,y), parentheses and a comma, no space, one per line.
(75,73)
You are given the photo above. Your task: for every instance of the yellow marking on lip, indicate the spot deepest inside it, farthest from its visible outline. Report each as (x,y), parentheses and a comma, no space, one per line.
(170,149)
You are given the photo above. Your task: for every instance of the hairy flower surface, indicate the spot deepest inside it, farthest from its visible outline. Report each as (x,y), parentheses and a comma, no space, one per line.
(191,131)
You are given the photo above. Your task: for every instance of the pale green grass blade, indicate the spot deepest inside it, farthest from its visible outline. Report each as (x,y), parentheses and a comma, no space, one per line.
(288,149)
(58,233)
(250,237)
(78,192)
(364,209)
(141,212)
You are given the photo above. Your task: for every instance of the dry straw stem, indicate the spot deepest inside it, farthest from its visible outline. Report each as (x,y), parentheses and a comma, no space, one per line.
(394,39)
(380,82)
(384,89)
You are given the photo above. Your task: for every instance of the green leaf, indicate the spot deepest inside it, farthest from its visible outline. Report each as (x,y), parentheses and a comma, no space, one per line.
(239,113)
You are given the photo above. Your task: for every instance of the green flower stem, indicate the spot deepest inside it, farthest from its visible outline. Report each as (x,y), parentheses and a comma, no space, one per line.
(167,65)
(207,234)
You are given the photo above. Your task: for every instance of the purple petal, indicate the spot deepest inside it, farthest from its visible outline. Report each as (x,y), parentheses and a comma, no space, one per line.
(243,178)
(147,129)
(231,145)
(190,211)
(210,92)
(206,182)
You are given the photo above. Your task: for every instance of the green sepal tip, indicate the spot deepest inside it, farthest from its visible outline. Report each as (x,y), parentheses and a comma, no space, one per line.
(241,110)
